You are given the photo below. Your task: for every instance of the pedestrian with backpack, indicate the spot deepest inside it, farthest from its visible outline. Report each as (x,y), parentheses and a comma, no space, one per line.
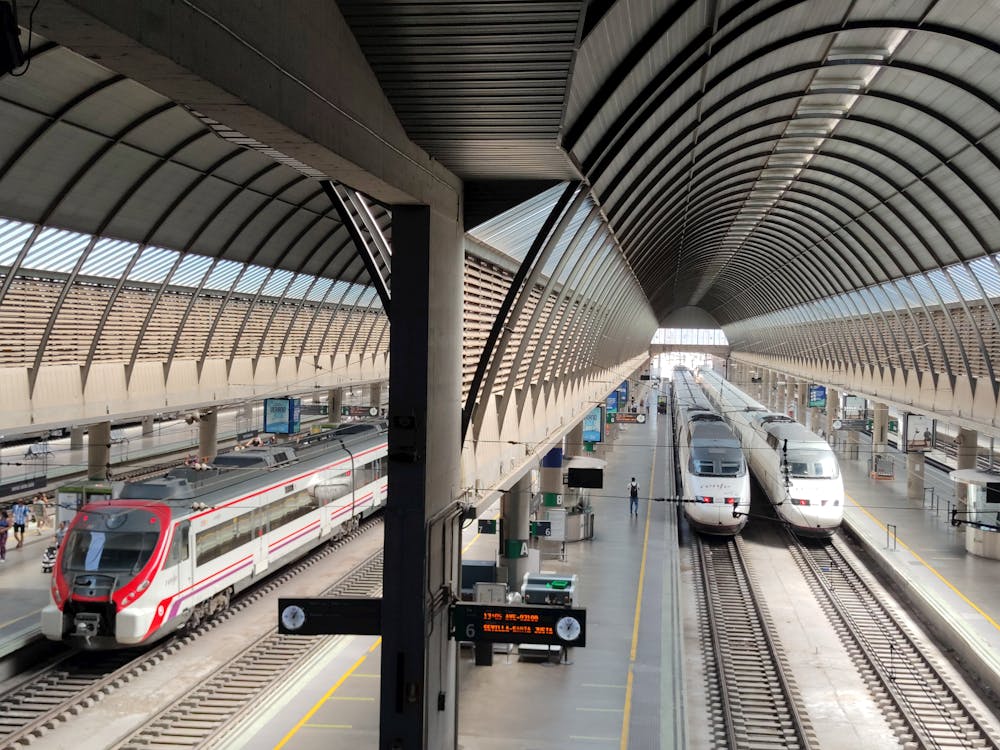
(633,498)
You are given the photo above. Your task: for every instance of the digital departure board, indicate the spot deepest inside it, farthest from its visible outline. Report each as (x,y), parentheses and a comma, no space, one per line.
(513,623)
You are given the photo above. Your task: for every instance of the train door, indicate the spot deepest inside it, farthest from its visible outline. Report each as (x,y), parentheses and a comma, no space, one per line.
(178,571)
(259,518)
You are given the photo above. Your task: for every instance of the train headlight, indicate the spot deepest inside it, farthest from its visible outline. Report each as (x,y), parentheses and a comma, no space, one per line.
(800,501)
(56,596)
(143,586)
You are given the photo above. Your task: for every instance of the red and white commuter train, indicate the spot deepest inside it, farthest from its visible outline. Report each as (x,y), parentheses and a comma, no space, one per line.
(171,551)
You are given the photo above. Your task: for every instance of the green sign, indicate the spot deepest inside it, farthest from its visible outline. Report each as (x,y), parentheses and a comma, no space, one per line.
(516,548)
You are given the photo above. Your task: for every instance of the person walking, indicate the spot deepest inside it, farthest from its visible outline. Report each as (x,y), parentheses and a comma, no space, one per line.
(20,514)
(4,527)
(41,512)
(633,498)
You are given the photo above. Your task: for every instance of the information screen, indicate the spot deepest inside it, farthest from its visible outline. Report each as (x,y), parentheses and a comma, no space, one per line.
(512,623)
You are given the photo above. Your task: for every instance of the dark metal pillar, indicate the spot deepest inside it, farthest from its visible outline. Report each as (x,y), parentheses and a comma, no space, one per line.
(422,517)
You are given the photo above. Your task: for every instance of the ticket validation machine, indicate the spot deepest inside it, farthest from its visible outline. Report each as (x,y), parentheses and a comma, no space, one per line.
(982,518)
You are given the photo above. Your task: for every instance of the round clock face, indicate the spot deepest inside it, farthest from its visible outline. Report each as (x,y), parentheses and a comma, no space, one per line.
(373,411)
(293,617)
(568,628)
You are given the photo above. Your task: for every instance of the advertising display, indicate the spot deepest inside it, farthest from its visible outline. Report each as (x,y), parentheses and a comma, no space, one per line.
(623,396)
(282,415)
(817,396)
(612,404)
(592,427)
(918,433)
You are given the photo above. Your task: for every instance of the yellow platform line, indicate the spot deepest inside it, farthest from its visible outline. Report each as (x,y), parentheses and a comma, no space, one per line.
(326,696)
(638,610)
(927,565)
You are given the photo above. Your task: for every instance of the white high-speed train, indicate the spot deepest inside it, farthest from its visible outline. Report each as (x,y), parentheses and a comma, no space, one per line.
(796,468)
(171,551)
(714,481)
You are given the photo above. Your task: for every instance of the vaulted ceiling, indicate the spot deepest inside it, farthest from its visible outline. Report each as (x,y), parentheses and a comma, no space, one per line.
(750,156)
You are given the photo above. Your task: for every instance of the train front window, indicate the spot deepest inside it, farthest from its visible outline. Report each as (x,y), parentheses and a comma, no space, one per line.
(717,462)
(106,541)
(804,463)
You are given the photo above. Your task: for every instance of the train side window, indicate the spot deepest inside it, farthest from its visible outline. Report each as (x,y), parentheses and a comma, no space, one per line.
(179,547)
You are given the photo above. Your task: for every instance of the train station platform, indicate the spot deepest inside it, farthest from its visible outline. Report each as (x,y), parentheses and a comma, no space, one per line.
(623,690)
(916,546)
(590,697)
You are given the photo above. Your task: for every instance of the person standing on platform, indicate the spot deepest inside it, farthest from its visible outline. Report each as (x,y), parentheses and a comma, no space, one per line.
(61,532)
(20,514)
(633,498)
(41,512)
(4,527)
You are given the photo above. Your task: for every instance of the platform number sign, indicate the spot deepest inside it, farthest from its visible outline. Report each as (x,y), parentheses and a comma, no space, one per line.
(541,528)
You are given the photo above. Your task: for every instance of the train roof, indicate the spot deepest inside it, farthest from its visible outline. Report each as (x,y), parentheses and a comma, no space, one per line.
(714,432)
(791,430)
(236,473)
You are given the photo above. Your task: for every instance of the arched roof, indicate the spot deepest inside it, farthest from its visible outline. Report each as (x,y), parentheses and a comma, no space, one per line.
(819,177)
(750,156)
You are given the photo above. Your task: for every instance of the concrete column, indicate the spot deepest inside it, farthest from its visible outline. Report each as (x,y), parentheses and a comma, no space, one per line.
(423,522)
(915,477)
(853,444)
(550,478)
(832,411)
(147,425)
(208,435)
(768,397)
(788,394)
(814,419)
(880,429)
(98,450)
(574,440)
(375,395)
(515,510)
(967,443)
(76,437)
(334,401)
(802,403)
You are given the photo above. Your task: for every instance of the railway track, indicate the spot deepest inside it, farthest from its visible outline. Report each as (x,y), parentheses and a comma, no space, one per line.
(748,678)
(77,681)
(917,698)
(223,699)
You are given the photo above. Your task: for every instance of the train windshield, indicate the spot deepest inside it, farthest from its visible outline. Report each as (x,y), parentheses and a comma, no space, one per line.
(101,542)
(717,461)
(812,463)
